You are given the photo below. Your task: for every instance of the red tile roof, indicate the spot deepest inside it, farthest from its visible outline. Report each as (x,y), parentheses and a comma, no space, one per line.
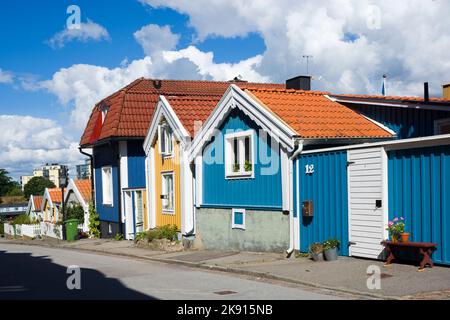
(131,108)
(55,195)
(192,109)
(85,189)
(37,200)
(312,115)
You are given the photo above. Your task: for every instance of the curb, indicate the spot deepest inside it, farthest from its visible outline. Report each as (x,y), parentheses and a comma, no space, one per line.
(204,266)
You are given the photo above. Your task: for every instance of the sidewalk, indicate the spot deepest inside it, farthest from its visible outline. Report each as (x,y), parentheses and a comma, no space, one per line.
(349,275)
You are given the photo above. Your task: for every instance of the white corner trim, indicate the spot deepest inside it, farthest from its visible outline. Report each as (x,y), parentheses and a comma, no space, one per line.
(285,181)
(198,180)
(234,97)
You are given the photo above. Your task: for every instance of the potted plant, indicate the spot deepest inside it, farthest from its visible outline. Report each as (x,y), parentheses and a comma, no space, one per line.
(330,248)
(396,230)
(316,251)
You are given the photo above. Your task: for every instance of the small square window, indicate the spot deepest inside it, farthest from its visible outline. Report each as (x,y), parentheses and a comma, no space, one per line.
(238,219)
(239,151)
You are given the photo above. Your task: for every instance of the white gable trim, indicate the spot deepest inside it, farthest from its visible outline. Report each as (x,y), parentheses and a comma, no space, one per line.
(45,199)
(234,97)
(164,108)
(30,206)
(73,187)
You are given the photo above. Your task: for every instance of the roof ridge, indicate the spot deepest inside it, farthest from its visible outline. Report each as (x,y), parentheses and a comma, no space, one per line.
(293,91)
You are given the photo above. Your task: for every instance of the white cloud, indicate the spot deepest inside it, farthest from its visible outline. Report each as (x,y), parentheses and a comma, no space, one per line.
(28,142)
(88,31)
(154,38)
(408,40)
(6,77)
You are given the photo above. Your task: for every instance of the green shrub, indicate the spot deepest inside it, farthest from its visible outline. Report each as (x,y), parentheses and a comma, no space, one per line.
(165,232)
(22,219)
(316,248)
(118,237)
(94,222)
(140,236)
(75,211)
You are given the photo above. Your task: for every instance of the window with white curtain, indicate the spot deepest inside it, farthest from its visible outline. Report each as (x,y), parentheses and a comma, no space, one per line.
(167,195)
(239,154)
(107,185)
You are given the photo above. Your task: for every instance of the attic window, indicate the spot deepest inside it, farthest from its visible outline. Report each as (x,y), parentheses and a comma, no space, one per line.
(239,154)
(105,110)
(165,138)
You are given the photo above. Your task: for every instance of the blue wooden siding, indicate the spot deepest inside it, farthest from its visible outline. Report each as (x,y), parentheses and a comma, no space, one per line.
(104,156)
(327,188)
(263,191)
(407,123)
(419,191)
(136,164)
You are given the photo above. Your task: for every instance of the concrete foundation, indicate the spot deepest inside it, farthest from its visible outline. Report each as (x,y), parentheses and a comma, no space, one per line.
(265,231)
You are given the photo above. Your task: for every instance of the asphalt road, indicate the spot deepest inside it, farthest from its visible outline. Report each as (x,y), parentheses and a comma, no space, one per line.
(32,272)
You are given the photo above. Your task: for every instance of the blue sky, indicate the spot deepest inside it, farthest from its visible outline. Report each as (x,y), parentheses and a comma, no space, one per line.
(51,77)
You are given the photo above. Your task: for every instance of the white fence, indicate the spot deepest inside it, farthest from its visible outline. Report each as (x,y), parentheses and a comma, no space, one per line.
(51,230)
(19,230)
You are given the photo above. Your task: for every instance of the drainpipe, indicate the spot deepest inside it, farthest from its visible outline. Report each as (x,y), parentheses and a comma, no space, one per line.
(91,157)
(296,152)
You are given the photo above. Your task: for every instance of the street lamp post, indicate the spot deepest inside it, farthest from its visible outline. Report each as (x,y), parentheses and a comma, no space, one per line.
(63,182)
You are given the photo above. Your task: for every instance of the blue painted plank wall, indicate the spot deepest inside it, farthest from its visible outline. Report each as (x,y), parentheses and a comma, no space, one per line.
(407,123)
(327,188)
(136,164)
(104,156)
(261,192)
(419,191)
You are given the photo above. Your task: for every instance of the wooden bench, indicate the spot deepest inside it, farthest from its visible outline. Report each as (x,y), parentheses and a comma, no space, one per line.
(425,249)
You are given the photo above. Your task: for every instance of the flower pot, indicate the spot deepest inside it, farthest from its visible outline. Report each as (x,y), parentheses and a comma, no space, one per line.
(331,254)
(404,236)
(317,256)
(394,238)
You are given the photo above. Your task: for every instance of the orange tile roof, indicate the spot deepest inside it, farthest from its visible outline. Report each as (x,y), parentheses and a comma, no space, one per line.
(390,98)
(37,200)
(55,195)
(191,109)
(312,115)
(131,108)
(85,189)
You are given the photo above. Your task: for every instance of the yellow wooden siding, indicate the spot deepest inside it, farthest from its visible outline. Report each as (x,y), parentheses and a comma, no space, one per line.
(162,165)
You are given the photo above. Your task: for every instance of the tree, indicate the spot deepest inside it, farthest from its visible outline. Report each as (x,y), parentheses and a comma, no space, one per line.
(36,186)
(15,191)
(6,182)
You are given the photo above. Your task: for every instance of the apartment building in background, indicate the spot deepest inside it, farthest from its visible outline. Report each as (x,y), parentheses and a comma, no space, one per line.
(48,171)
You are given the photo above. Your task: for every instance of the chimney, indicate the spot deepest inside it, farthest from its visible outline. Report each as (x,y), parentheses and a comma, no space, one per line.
(299,83)
(426,93)
(446,91)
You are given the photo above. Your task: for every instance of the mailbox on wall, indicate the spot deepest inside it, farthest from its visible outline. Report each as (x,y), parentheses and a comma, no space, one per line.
(307,208)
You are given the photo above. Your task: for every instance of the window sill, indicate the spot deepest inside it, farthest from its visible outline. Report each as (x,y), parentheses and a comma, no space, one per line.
(246,175)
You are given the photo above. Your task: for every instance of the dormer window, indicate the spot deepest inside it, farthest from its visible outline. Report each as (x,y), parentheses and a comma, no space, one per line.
(105,110)
(165,138)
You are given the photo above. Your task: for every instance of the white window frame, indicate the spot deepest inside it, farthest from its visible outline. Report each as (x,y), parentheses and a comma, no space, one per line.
(238,226)
(107,190)
(105,110)
(163,190)
(229,154)
(167,137)
(439,123)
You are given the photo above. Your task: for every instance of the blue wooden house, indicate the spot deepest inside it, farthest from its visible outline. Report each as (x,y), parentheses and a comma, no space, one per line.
(245,163)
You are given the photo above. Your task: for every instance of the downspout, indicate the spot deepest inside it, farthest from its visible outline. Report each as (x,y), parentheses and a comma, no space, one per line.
(91,157)
(294,155)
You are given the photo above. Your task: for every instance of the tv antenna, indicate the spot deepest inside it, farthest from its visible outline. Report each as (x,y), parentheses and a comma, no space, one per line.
(307,57)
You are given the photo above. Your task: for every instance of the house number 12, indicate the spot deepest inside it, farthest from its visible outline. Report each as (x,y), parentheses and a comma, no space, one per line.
(309,169)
